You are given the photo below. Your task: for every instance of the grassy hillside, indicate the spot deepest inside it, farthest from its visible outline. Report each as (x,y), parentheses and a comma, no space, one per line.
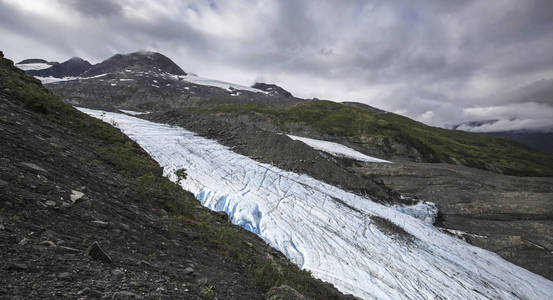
(434,144)
(250,256)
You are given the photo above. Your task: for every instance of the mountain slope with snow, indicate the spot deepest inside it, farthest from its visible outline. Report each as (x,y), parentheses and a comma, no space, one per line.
(368,249)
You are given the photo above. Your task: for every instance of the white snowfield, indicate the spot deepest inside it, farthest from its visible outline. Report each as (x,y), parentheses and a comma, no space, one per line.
(51,79)
(336,149)
(33,66)
(329,231)
(192,78)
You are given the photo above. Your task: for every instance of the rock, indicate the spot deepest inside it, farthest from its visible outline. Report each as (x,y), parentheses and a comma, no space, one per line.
(95,252)
(24,241)
(3,184)
(50,203)
(100,223)
(188,271)
(47,244)
(34,167)
(18,267)
(283,292)
(118,273)
(125,295)
(64,276)
(125,226)
(75,195)
(2,227)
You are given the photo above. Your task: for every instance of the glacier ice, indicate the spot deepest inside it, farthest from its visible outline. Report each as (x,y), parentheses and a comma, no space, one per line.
(329,231)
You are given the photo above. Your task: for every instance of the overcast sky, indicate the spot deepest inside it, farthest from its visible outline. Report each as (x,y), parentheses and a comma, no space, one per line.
(440,62)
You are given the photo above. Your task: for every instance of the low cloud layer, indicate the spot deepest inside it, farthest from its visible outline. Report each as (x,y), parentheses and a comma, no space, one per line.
(440,62)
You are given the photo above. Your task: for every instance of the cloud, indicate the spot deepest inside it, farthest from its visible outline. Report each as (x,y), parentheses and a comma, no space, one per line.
(436,61)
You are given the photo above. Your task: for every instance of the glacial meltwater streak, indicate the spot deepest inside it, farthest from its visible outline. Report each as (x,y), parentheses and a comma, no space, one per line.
(331,232)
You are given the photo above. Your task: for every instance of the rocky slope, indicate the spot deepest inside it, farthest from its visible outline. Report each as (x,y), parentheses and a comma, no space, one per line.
(512,216)
(85,213)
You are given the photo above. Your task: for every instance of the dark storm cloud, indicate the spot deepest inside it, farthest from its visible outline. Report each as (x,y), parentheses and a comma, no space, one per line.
(441,62)
(96,8)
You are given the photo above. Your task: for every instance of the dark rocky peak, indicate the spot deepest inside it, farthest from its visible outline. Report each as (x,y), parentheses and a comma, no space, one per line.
(142,61)
(37,61)
(273,89)
(72,67)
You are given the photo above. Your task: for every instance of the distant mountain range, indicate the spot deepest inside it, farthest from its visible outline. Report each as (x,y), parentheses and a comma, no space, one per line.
(540,139)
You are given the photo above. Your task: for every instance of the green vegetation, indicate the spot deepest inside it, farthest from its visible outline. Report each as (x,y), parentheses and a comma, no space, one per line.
(181,174)
(148,185)
(434,144)
(207,292)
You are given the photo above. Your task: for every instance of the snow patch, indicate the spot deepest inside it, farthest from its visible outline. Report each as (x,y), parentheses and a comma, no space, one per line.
(336,149)
(215,83)
(51,79)
(34,66)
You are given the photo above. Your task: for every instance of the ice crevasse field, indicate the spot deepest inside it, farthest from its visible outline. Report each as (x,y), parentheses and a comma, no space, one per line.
(339,236)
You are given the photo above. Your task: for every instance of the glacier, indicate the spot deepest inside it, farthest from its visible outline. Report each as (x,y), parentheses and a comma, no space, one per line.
(329,231)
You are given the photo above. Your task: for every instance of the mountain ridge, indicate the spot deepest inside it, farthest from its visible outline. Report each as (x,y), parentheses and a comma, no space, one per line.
(139,61)
(71,67)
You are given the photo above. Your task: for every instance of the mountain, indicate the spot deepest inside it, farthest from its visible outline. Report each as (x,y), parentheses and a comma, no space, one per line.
(142,81)
(461,172)
(151,81)
(34,64)
(539,139)
(86,213)
(142,61)
(72,67)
